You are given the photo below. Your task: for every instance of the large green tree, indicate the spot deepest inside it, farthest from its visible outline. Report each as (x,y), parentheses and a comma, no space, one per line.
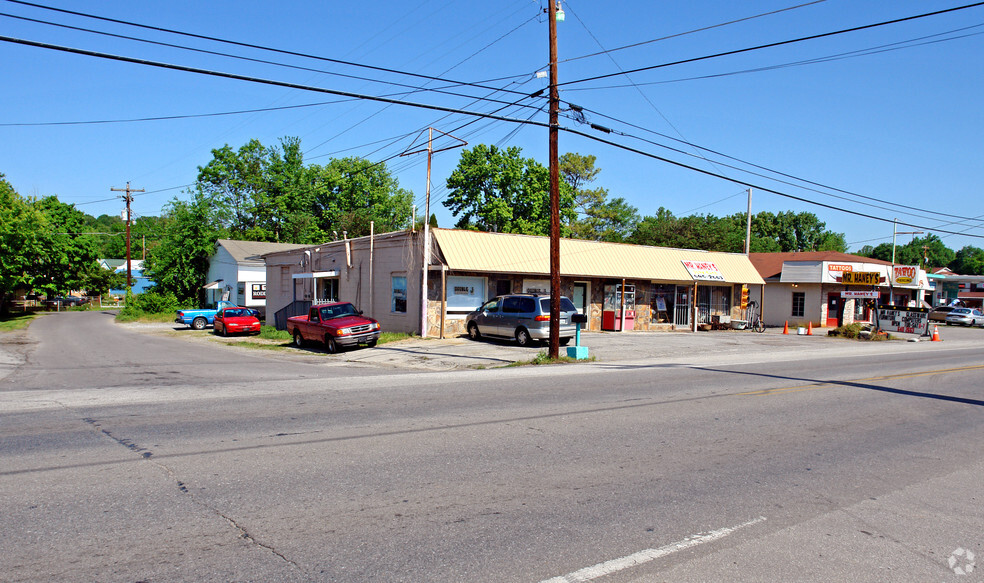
(597,216)
(969,260)
(179,264)
(497,190)
(22,243)
(69,253)
(350,193)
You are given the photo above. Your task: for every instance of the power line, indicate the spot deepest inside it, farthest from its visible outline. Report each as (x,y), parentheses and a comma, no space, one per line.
(696,30)
(252,46)
(774,44)
(896,46)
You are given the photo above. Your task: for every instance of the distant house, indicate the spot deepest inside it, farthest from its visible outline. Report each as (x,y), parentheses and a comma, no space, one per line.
(139,284)
(238,275)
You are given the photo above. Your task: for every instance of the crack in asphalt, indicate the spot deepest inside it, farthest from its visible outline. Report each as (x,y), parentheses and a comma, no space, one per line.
(147,454)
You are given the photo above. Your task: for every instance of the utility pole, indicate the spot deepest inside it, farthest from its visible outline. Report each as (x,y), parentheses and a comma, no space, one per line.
(891,276)
(554,187)
(426,244)
(748,224)
(128,198)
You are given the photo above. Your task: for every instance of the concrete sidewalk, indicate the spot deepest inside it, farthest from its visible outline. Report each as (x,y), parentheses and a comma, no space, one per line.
(724,346)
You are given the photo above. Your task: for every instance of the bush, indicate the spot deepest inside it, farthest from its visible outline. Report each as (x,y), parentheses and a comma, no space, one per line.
(149,303)
(848,331)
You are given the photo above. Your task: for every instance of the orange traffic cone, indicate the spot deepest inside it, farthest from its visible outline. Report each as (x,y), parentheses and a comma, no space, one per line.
(809,329)
(936,334)
(785,328)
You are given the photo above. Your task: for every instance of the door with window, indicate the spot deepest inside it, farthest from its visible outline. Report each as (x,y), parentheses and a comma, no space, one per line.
(580,298)
(835,310)
(681,316)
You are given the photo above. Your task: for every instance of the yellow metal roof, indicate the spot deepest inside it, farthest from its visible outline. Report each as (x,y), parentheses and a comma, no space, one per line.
(525,254)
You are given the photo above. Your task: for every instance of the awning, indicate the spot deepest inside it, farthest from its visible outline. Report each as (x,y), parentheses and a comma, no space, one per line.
(212,285)
(316,274)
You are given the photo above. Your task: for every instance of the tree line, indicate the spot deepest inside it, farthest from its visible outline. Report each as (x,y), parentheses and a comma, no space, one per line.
(268,193)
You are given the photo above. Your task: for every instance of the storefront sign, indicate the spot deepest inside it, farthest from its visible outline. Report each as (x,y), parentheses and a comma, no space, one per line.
(861,278)
(258,291)
(868,295)
(703,271)
(904,274)
(907,320)
(836,269)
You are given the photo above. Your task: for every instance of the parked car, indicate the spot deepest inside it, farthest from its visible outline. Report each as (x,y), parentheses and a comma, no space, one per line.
(198,319)
(966,317)
(525,317)
(236,321)
(938,314)
(338,325)
(64,301)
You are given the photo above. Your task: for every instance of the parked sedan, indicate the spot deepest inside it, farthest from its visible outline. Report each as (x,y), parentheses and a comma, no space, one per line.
(236,321)
(966,317)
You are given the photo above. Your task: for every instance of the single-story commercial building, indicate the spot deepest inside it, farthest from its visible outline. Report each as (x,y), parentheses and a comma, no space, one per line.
(830,289)
(237,274)
(647,288)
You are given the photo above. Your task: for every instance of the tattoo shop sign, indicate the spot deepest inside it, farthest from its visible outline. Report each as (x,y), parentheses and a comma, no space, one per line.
(906,320)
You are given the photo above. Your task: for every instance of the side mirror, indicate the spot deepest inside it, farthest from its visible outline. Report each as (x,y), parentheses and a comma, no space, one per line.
(360,312)
(579,319)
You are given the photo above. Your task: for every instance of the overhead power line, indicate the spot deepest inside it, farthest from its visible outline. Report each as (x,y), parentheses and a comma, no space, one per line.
(260,47)
(774,44)
(696,30)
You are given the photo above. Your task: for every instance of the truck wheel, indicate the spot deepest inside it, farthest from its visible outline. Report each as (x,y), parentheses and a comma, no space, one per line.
(565,340)
(298,339)
(331,347)
(199,323)
(371,343)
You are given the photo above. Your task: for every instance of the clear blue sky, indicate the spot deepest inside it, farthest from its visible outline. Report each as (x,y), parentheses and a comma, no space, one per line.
(900,122)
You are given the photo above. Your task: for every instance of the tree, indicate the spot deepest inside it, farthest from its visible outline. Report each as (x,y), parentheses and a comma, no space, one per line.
(349,193)
(969,260)
(596,217)
(68,255)
(21,241)
(179,265)
(500,191)
(97,281)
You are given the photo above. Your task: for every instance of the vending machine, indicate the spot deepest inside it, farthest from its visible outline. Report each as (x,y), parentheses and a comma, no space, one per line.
(614,308)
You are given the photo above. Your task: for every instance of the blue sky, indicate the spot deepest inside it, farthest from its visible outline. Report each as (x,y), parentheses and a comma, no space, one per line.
(901,123)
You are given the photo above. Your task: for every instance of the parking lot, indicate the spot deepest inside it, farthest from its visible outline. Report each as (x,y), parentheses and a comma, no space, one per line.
(604,348)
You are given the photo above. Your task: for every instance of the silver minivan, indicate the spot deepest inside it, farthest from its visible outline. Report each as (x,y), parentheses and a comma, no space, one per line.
(525,317)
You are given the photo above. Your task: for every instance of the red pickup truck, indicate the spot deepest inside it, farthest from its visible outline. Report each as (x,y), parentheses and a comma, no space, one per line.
(338,325)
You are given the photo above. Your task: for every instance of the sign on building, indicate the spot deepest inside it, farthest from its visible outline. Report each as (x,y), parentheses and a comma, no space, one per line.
(861,278)
(904,274)
(865,295)
(703,271)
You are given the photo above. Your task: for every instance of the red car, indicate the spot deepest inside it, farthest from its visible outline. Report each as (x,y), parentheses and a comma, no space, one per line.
(236,321)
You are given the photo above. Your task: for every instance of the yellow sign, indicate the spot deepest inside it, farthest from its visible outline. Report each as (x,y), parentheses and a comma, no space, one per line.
(861,277)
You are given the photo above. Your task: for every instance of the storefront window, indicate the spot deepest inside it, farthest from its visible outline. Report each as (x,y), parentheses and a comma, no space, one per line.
(662,302)
(799,304)
(464,294)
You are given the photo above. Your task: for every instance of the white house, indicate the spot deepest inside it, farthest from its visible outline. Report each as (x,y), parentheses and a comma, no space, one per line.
(236,274)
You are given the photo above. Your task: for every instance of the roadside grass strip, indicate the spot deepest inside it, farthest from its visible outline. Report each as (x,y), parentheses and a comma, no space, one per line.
(642,557)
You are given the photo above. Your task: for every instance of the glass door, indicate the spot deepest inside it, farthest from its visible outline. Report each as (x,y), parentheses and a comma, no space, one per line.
(681,313)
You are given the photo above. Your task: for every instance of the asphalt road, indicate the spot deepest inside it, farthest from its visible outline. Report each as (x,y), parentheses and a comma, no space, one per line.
(135,457)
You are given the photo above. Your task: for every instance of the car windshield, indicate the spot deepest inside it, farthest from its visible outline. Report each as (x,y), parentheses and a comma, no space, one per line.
(234,313)
(337,311)
(961,311)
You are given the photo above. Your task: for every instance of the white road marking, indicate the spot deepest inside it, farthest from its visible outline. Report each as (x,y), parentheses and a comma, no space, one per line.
(635,559)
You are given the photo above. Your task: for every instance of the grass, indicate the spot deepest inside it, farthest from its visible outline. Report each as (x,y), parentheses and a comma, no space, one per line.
(145,317)
(543,358)
(16,321)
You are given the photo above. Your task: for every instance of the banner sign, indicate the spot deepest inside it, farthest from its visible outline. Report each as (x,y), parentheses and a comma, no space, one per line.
(907,320)
(868,295)
(861,277)
(904,274)
(703,271)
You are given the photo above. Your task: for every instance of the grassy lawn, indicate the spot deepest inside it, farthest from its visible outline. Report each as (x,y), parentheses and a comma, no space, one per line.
(16,321)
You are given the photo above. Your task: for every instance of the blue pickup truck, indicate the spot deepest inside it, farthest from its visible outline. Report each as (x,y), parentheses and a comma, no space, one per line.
(199,319)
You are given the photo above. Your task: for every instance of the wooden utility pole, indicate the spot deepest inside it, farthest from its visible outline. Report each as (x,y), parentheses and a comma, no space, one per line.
(554,187)
(748,224)
(426,242)
(128,197)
